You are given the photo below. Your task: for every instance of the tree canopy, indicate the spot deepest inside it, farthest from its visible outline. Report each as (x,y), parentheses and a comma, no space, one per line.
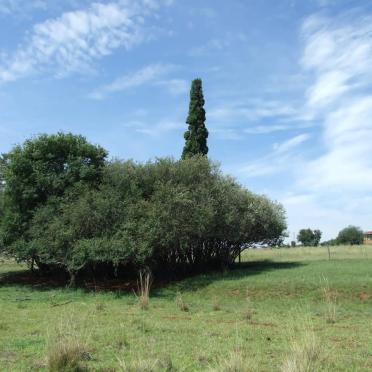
(83,213)
(43,168)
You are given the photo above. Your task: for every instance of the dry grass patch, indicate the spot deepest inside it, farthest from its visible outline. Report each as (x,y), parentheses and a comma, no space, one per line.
(330,300)
(236,361)
(67,349)
(306,353)
(181,303)
(147,365)
(144,286)
(216,306)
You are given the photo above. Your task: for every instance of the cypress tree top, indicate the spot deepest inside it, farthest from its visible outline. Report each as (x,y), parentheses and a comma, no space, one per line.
(197,133)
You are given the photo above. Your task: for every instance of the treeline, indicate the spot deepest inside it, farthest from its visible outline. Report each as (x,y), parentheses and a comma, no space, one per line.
(65,207)
(352,235)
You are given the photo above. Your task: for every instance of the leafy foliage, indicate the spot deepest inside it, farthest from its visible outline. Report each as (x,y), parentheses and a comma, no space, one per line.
(166,215)
(309,237)
(39,172)
(197,133)
(350,235)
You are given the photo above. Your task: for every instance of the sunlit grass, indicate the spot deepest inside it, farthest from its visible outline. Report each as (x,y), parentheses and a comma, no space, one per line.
(280,289)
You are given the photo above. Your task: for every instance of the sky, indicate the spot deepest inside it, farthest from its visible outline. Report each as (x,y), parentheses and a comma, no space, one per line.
(287,85)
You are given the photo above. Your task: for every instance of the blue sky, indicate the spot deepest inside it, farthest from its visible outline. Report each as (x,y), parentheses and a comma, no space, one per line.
(287,85)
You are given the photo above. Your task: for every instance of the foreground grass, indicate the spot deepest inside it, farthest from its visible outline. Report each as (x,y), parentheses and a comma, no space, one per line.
(271,314)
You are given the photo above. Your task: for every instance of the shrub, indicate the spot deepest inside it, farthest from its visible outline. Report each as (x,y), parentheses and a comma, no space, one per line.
(114,217)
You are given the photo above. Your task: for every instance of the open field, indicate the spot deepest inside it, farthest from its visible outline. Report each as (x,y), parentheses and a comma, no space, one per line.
(279,309)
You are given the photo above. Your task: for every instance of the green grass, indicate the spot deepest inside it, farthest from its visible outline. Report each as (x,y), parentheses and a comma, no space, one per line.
(256,317)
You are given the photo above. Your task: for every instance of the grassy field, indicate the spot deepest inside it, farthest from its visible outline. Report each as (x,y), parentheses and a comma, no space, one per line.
(284,309)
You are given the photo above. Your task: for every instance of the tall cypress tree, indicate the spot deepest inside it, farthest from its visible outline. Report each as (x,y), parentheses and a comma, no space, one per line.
(197,133)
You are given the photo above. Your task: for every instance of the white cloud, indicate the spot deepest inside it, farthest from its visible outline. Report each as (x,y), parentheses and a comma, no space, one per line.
(225,133)
(291,143)
(218,44)
(333,189)
(281,158)
(266,129)
(175,86)
(252,110)
(74,40)
(327,88)
(155,129)
(12,7)
(339,55)
(347,163)
(140,77)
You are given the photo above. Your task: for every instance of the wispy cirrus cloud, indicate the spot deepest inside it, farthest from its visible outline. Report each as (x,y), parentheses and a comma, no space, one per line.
(154,74)
(280,158)
(338,52)
(251,110)
(334,187)
(135,79)
(266,129)
(12,7)
(175,86)
(75,39)
(154,129)
(235,119)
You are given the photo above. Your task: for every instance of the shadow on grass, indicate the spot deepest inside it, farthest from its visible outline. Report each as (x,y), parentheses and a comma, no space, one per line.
(238,271)
(182,283)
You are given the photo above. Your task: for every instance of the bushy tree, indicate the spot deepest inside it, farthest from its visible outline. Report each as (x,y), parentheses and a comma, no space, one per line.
(45,168)
(309,237)
(350,235)
(166,215)
(197,133)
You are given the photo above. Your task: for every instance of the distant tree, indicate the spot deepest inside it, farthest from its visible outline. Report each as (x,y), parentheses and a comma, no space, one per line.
(293,244)
(309,237)
(350,235)
(317,236)
(330,242)
(305,237)
(197,133)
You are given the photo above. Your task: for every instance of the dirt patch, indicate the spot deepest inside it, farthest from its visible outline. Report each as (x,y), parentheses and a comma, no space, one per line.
(364,296)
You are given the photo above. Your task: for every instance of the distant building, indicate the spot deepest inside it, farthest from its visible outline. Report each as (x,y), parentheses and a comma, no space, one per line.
(368,237)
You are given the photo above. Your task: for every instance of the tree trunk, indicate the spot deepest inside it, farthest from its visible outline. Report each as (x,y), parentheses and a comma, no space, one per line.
(72,283)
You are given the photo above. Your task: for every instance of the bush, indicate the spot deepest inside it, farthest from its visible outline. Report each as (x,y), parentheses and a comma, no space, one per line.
(166,215)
